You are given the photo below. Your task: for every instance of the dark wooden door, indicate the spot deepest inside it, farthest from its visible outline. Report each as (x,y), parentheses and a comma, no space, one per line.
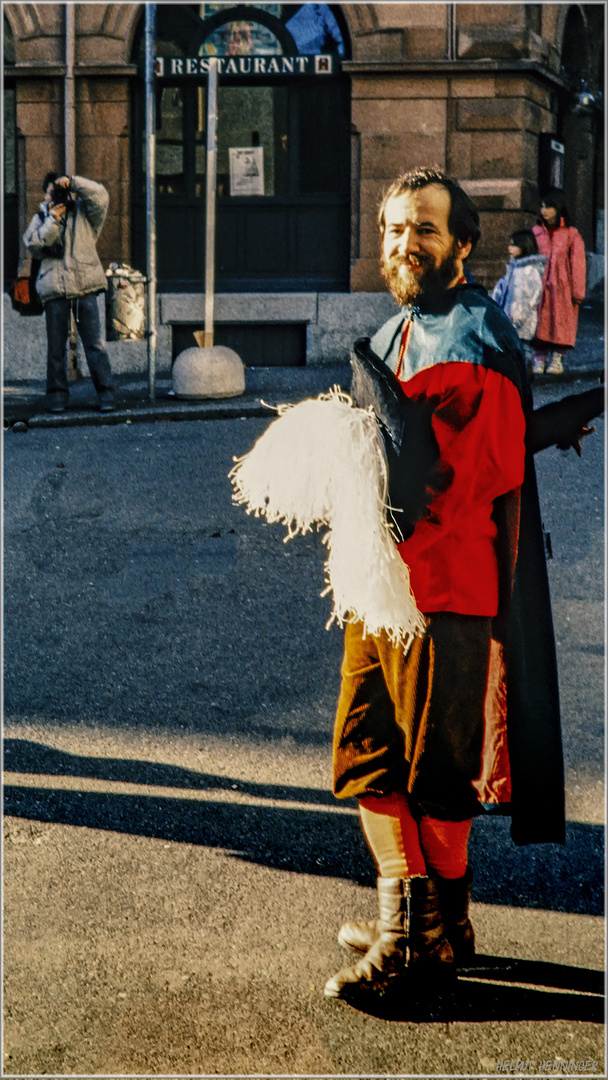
(296,236)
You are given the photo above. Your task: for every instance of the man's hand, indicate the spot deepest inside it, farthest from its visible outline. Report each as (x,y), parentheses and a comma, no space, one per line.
(58,209)
(577,440)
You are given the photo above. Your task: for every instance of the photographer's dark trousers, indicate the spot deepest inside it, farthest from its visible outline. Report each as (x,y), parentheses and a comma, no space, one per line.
(86,312)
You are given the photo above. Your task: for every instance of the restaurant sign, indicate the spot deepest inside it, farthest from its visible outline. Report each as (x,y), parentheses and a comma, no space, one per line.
(246,66)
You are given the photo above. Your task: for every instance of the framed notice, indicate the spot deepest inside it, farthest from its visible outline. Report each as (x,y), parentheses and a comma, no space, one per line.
(246,170)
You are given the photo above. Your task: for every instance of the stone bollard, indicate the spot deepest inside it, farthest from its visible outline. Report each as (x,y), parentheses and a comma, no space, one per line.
(213,372)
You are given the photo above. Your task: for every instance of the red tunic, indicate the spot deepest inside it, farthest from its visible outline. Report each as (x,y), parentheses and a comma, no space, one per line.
(479,425)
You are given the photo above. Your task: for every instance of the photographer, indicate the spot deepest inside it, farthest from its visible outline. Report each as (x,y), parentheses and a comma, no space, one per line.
(63,235)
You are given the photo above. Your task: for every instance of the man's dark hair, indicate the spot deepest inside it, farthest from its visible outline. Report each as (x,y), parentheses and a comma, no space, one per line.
(555,198)
(525,240)
(463,220)
(50,179)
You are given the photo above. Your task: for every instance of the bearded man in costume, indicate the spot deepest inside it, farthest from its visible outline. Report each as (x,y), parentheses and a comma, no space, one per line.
(467,717)
(424,476)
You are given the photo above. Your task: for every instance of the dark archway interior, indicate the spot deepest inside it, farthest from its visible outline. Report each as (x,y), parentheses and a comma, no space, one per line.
(575,50)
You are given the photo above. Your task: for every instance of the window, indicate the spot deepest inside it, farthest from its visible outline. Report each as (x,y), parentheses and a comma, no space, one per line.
(244,29)
(170,141)
(241,39)
(254,116)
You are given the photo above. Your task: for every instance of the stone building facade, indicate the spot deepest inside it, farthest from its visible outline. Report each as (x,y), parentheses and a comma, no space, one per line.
(495,94)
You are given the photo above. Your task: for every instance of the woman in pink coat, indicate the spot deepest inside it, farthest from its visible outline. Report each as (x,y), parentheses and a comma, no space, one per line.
(563,285)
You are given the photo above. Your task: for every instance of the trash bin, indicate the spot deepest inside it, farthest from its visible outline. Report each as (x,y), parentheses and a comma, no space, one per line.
(125,303)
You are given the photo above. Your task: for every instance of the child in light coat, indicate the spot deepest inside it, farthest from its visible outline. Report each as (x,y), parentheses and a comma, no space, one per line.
(518,293)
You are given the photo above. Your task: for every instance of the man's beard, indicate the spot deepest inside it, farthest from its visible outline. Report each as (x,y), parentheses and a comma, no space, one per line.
(407,287)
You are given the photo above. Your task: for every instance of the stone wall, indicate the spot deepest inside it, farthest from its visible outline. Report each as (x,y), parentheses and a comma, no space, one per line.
(401,124)
(493,150)
(39,115)
(103,153)
(102,147)
(333,321)
(470,95)
(104,34)
(481,129)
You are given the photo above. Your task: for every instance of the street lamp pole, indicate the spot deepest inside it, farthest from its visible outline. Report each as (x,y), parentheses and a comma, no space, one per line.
(150,34)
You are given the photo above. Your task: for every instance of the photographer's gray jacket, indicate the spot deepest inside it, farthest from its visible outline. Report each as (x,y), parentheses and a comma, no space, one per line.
(78,271)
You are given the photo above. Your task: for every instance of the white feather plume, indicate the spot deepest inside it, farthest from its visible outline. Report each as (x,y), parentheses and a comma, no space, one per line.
(322,462)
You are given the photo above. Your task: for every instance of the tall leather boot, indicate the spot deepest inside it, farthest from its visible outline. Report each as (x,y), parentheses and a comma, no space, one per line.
(454,898)
(411,936)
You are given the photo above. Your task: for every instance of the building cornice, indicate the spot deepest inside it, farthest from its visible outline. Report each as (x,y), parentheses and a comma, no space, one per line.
(57,71)
(452,67)
(350,67)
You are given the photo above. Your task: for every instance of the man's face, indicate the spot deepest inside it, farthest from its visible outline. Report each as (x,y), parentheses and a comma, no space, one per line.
(48,197)
(420,257)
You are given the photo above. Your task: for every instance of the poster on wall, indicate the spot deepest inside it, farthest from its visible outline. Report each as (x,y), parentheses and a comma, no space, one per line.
(246,170)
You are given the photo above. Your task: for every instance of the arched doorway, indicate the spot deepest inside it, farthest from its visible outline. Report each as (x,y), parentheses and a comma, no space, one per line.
(284,105)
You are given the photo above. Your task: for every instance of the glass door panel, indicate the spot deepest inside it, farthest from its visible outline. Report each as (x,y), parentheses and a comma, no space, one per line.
(254,116)
(323,128)
(170,142)
(242,38)
(200,142)
(294,233)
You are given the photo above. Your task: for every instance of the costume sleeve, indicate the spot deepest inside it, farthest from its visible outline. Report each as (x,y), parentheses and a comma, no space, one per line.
(578,267)
(479,425)
(489,429)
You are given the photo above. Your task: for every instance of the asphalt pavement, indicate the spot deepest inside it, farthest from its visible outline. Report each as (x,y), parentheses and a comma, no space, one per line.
(176,869)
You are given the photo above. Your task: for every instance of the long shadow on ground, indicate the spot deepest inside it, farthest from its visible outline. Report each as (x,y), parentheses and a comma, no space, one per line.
(486,992)
(309,841)
(25,756)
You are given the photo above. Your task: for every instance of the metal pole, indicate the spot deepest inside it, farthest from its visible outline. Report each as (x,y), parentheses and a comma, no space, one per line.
(452,33)
(69,151)
(150,34)
(69,95)
(211,190)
